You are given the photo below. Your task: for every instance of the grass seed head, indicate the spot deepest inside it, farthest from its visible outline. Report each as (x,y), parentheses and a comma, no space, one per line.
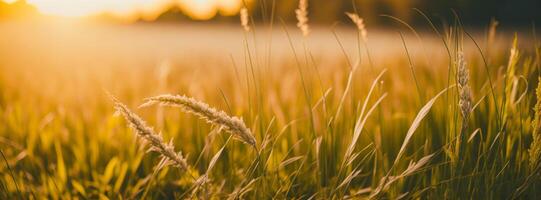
(155,141)
(302,17)
(535,148)
(244,19)
(465,98)
(359,22)
(233,125)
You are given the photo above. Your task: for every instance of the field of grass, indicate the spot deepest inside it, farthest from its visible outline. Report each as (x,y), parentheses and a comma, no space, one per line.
(437,116)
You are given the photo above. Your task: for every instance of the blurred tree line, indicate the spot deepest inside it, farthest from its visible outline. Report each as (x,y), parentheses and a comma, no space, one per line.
(473,12)
(518,12)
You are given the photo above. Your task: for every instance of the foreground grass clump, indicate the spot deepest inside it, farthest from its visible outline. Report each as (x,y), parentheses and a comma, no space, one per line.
(464,125)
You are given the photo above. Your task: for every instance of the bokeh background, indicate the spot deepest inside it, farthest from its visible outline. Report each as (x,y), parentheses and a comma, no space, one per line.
(59,58)
(475,12)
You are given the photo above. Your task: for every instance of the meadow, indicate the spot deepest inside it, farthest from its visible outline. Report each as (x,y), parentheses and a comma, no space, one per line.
(335,113)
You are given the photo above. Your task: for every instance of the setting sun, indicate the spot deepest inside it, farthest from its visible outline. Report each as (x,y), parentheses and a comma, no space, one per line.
(200,9)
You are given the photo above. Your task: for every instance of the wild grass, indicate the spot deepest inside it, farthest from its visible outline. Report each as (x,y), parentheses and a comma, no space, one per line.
(459,123)
(167,150)
(233,125)
(302,17)
(244,19)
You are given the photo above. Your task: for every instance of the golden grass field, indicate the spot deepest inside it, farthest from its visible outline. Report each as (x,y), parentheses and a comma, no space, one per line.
(334,115)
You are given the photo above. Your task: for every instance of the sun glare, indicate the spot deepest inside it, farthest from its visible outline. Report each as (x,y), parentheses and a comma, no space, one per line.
(200,9)
(148,9)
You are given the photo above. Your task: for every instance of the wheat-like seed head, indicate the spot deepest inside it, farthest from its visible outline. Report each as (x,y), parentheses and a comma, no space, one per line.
(302,17)
(359,22)
(233,125)
(146,133)
(465,97)
(535,147)
(244,19)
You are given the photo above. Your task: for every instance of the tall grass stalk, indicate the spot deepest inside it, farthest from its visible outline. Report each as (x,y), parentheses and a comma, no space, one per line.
(233,125)
(535,147)
(302,17)
(465,96)
(167,150)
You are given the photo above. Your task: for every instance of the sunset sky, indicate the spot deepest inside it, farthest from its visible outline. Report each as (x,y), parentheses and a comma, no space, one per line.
(197,9)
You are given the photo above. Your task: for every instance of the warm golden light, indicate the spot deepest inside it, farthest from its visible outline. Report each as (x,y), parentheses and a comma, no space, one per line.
(147,9)
(79,8)
(200,9)
(206,9)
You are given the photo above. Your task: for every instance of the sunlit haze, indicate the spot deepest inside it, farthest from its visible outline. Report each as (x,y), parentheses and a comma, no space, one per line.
(128,9)
(270,99)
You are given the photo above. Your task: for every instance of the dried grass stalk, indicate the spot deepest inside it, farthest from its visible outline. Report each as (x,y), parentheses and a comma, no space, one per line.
(359,22)
(302,17)
(535,148)
(167,150)
(386,182)
(233,125)
(465,97)
(244,19)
